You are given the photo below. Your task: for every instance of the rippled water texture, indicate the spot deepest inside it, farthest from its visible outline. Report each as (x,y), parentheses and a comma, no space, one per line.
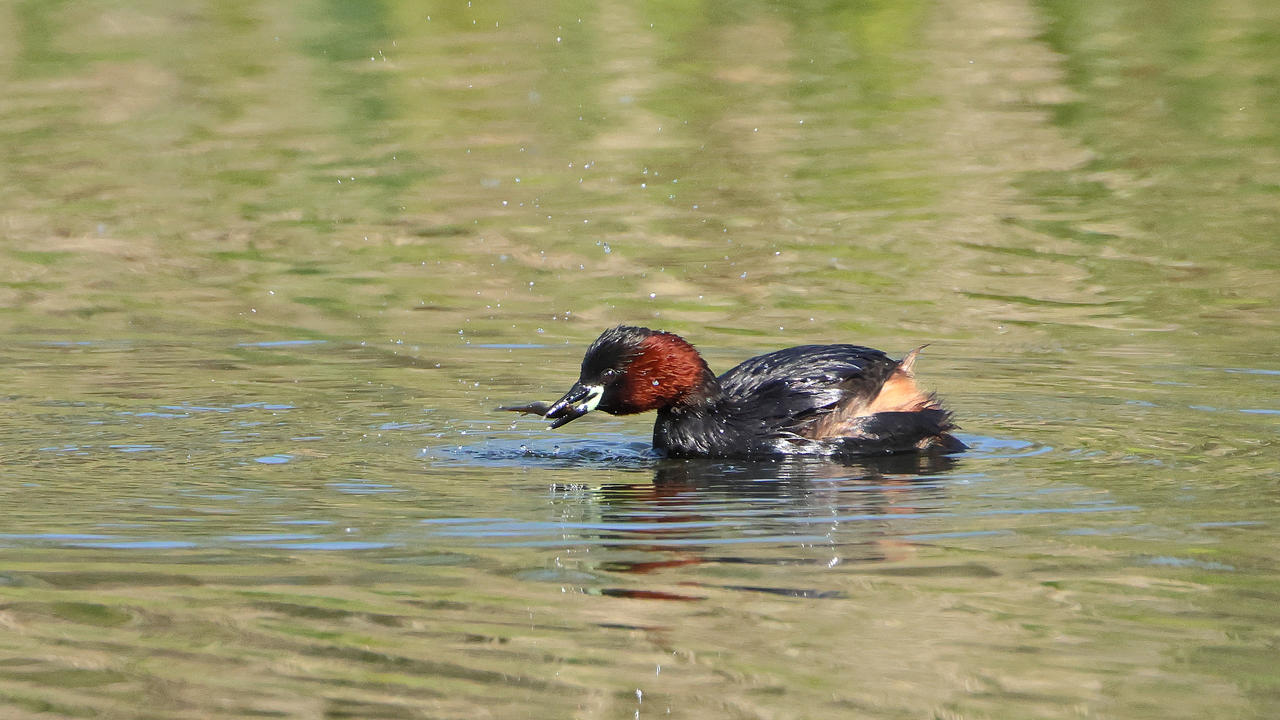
(266,269)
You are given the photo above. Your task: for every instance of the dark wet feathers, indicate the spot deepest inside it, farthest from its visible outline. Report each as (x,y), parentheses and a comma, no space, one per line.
(614,348)
(788,389)
(810,399)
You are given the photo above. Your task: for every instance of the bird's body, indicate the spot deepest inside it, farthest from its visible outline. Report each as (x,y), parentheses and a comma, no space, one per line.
(835,400)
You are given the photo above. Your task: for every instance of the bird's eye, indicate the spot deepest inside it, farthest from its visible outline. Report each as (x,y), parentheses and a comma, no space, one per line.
(609,374)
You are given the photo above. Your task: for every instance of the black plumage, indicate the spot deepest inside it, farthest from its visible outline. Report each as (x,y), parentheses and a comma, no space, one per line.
(765,405)
(810,399)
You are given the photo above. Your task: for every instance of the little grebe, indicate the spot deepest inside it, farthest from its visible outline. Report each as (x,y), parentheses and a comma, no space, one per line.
(810,399)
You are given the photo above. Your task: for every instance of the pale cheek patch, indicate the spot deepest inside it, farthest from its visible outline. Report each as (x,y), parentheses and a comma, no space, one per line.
(594,393)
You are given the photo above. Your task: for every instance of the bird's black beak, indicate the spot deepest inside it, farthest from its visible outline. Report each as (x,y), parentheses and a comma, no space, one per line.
(580,400)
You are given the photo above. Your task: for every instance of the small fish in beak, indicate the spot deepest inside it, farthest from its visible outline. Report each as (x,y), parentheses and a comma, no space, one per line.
(580,400)
(538,408)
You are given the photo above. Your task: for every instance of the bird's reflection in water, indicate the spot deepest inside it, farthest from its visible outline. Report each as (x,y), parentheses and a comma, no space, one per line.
(813,513)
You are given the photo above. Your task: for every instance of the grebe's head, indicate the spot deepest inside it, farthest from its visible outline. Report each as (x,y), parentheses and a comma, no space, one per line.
(630,370)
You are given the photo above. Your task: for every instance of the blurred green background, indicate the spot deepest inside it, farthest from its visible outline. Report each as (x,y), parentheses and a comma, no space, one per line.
(265,268)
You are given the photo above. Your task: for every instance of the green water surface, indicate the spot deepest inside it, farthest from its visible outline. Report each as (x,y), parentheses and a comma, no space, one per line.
(266,269)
